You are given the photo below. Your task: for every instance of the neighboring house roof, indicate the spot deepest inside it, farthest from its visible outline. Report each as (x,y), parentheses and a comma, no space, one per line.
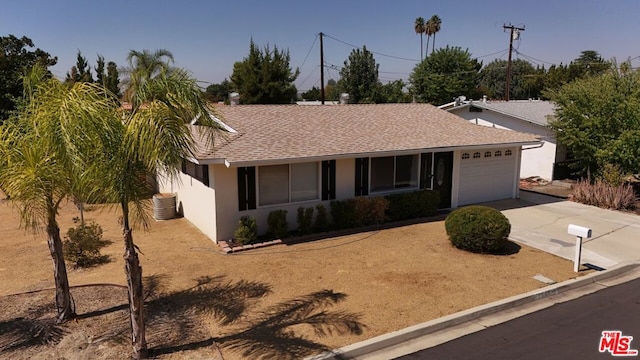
(539,112)
(267,133)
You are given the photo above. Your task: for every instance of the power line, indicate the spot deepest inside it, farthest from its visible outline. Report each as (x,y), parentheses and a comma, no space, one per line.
(497,52)
(373,52)
(310,74)
(532,58)
(309,52)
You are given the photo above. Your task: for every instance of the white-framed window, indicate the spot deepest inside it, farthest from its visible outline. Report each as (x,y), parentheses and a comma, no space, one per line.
(280,184)
(394,172)
(465,156)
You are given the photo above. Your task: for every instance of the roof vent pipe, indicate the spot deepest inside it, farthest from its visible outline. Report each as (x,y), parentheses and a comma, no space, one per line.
(484,99)
(234,98)
(344,98)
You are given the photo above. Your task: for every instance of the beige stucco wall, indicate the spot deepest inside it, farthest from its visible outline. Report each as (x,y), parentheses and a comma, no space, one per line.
(536,161)
(194,199)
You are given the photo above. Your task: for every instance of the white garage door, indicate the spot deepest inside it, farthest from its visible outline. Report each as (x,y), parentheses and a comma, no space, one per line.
(486,175)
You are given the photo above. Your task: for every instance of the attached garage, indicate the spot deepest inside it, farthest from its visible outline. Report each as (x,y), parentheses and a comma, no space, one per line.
(488,174)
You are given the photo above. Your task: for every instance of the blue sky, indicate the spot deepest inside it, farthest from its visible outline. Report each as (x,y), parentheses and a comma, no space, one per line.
(207,37)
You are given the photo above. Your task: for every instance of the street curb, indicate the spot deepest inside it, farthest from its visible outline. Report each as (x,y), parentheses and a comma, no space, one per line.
(397,337)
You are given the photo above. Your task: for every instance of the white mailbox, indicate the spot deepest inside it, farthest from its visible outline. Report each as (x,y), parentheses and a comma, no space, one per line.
(580,231)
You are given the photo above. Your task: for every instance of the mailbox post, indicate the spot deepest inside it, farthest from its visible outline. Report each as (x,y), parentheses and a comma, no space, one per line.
(580,232)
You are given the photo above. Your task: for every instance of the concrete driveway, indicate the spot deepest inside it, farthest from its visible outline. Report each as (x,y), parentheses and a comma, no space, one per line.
(541,222)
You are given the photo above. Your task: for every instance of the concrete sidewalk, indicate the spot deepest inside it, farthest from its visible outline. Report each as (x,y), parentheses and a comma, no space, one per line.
(541,222)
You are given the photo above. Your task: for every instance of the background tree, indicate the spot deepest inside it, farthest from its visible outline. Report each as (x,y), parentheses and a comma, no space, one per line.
(219,92)
(331,91)
(393,92)
(112,81)
(17,55)
(589,63)
(523,85)
(444,75)
(419,27)
(598,120)
(312,94)
(265,77)
(101,76)
(81,72)
(432,27)
(144,66)
(359,77)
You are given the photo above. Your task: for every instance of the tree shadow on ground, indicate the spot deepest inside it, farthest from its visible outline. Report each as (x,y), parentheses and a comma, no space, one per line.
(180,320)
(38,327)
(271,333)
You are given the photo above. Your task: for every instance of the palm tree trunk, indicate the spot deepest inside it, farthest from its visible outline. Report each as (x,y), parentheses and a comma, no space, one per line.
(433,45)
(421,48)
(64,303)
(426,52)
(133,270)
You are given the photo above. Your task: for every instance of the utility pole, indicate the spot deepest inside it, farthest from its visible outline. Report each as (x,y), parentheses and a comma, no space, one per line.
(321,70)
(515,32)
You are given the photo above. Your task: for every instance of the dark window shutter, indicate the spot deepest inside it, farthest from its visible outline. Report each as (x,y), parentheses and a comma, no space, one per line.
(205,175)
(251,187)
(242,189)
(362,177)
(246,188)
(425,170)
(184,166)
(328,180)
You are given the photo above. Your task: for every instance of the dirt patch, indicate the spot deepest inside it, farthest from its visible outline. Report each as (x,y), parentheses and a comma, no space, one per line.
(284,301)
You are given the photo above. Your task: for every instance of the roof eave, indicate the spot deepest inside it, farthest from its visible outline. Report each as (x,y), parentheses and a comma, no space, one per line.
(264,162)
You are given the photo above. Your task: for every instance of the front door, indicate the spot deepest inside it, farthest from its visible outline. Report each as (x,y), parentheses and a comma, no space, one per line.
(443,176)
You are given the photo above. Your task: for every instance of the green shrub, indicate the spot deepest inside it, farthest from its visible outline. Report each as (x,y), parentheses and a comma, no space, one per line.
(82,244)
(247,230)
(342,213)
(611,174)
(413,205)
(322,220)
(604,195)
(478,229)
(359,211)
(277,222)
(304,219)
(369,210)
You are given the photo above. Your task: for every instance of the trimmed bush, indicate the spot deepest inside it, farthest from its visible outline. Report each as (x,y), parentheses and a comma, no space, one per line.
(369,210)
(304,219)
(413,205)
(359,211)
(603,195)
(277,222)
(342,213)
(82,244)
(322,218)
(478,229)
(247,230)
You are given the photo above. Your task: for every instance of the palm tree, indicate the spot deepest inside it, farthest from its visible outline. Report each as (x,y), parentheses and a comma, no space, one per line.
(39,150)
(144,66)
(433,27)
(153,137)
(419,27)
(428,31)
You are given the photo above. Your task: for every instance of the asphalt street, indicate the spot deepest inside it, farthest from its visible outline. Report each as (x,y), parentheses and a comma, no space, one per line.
(570,330)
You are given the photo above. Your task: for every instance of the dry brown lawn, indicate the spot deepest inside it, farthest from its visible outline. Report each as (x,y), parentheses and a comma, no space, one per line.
(260,303)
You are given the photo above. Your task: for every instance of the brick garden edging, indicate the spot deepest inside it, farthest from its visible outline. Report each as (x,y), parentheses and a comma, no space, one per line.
(229,247)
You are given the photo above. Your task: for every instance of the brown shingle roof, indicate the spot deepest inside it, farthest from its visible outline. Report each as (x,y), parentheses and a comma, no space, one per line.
(276,132)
